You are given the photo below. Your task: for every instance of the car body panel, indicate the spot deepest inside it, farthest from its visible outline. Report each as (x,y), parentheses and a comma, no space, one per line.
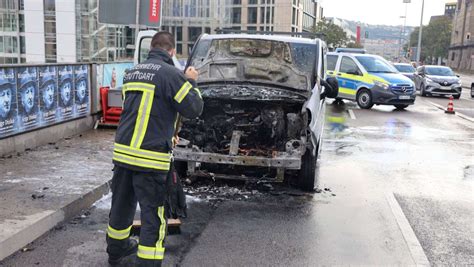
(350,84)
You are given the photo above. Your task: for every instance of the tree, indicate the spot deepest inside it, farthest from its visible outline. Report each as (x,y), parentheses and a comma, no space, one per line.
(354,45)
(335,36)
(435,40)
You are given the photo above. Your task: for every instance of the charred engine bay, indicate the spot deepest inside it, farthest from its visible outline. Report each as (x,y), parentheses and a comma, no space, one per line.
(264,126)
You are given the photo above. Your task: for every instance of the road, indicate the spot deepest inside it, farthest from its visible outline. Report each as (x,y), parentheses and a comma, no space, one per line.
(397,189)
(463,106)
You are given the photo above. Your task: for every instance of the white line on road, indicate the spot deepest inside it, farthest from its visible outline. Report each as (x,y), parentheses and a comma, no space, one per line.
(457,113)
(351,114)
(416,250)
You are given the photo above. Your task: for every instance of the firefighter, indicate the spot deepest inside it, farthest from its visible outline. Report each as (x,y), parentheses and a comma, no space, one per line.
(155,92)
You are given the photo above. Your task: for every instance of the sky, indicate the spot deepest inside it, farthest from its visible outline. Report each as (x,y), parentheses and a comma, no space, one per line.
(383,12)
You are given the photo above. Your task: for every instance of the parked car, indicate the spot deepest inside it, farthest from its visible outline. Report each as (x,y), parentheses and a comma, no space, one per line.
(370,79)
(437,80)
(264,107)
(406,69)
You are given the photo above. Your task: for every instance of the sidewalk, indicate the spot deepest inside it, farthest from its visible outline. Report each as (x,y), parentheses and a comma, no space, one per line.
(45,186)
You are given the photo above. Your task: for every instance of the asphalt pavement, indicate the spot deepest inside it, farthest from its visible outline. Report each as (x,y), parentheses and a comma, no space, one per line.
(396,189)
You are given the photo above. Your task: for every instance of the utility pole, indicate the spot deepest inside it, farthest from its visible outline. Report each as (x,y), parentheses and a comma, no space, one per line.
(137,22)
(418,50)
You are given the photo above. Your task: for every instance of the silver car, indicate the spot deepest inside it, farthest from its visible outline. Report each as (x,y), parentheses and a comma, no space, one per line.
(437,80)
(406,69)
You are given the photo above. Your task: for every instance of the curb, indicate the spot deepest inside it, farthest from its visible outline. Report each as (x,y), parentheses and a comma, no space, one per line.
(45,221)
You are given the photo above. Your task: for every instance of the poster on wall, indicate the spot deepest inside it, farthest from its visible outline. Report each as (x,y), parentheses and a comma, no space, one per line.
(48,94)
(27,97)
(8,104)
(81,91)
(65,93)
(113,74)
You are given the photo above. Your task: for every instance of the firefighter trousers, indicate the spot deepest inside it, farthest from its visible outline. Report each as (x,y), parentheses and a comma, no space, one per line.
(149,190)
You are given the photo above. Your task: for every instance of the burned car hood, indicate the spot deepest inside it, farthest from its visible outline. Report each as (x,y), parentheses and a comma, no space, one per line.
(260,61)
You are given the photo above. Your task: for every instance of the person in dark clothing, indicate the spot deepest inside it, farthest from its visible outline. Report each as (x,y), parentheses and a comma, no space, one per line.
(155,92)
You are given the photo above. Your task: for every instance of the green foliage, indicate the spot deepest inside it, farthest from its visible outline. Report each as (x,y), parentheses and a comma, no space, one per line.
(435,40)
(354,45)
(335,35)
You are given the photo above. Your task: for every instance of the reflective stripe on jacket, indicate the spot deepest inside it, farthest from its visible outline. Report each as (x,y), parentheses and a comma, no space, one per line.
(154,93)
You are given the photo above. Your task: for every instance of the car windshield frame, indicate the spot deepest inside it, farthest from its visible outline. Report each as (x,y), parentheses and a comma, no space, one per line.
(436,71)
(303,55)
(380,66)
(405,68)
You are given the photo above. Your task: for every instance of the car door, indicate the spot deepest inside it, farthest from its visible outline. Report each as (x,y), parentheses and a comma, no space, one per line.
(142,48)
(348,75)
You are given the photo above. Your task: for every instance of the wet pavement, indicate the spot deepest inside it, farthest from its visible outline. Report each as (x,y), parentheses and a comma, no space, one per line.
(423,157)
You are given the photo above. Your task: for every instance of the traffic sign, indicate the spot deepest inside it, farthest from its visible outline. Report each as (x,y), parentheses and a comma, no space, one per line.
(123,12)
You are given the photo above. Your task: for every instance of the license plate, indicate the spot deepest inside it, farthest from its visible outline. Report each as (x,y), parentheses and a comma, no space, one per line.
(404,97)
(446,87)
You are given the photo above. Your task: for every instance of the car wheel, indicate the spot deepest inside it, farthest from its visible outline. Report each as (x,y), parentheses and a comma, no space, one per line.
(307,173)
(422,90)
(364,99)
(457,96)
(401,106)
(472,90)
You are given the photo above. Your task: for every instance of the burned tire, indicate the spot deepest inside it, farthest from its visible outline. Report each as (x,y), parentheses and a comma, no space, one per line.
(364,99)
(457,96)
(307,174)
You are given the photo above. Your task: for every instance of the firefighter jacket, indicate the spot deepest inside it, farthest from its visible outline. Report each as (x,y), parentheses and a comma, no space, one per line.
(154,93)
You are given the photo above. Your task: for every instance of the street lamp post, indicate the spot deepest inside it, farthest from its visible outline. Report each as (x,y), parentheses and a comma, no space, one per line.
(418,50)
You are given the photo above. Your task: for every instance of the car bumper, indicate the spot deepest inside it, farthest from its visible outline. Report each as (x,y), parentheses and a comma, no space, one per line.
(387,97)
(437,89)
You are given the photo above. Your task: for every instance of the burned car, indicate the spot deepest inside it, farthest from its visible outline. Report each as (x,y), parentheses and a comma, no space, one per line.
(264,105)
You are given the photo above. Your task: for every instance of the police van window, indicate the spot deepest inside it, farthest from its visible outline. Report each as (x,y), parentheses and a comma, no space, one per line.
(332,61)
(348,65)
(144,49)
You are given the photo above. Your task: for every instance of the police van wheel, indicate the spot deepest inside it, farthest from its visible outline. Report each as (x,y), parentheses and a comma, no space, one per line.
(364,99)
(307,173)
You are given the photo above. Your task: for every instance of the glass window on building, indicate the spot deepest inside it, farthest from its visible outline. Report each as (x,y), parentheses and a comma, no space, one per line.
(236,15)
(236,2)
(1,44)
(194,33)
(22,45)
(252,15)
(179,33)
(21,22)
(251,28)
(262,15)
(253,2)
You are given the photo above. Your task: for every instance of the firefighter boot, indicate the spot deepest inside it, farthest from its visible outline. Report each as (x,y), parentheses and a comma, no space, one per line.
(117,253)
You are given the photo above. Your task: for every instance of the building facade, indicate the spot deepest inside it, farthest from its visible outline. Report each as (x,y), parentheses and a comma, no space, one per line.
(461,51)
(46,31)
(187,19)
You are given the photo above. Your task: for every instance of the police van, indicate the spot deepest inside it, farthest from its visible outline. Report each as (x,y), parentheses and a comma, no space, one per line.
(369,79)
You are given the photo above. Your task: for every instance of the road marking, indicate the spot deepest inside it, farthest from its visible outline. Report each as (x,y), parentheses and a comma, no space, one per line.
(460,115)
(352,114)
(416,250)
(465,117)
